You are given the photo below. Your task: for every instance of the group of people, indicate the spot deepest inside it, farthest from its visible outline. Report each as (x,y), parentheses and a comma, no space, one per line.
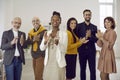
(55,51)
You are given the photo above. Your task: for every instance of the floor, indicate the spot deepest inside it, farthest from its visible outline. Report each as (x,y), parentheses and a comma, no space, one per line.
(28,71)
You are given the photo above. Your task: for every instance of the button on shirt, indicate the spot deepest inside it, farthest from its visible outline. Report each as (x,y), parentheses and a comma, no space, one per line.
(16,49)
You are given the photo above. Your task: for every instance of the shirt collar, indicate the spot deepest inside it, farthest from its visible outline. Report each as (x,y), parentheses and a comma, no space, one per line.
(37,29)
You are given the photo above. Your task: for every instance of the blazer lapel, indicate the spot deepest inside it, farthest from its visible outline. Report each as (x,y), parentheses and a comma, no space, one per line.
(19,35)
(12,35)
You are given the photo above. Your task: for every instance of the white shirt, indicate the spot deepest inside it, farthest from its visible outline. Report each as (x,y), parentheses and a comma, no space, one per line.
(16,49)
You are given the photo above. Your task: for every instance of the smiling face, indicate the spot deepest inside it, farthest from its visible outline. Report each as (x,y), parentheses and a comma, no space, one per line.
(108,24)
(36,22)
(73,24)
(55,21)
(87,16)
(16,23)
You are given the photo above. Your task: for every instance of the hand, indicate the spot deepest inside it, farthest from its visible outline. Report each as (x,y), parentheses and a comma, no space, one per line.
(86,41)
(99,34)
(22,40)
(14,41)
(46,37)
(88,34)
(83,40)
(56,41)
(36,38)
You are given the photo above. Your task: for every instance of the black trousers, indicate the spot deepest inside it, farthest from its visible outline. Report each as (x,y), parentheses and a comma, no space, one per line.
(71,66)
(91,58)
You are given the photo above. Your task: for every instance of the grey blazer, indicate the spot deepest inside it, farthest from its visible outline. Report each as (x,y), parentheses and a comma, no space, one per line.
(7,37)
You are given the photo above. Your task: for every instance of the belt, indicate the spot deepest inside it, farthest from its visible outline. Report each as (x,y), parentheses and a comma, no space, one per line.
(17,57)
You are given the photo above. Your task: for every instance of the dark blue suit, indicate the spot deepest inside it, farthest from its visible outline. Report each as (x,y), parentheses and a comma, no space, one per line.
(87,52)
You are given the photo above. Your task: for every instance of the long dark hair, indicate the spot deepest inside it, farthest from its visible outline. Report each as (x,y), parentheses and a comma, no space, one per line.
(68,27)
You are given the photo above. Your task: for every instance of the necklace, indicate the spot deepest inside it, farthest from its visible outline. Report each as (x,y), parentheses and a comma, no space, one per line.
(53,40)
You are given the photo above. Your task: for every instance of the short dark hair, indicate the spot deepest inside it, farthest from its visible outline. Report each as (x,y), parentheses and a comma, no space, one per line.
(87,10)
(112,20)
(56,13)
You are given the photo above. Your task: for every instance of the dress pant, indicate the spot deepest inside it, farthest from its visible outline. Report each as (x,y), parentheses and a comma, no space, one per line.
(38,66)
(91,58)
(14,70)
(71,66)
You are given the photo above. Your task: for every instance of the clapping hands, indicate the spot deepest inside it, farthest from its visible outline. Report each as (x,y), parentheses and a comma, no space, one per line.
(56,41)
(22,40)
(83,40)
(14,41)
(46,38)
(36,38)
(88,34)
(99,34)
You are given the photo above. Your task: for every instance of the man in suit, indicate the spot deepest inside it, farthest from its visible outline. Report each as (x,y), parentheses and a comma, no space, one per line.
(87,52)
(13,44)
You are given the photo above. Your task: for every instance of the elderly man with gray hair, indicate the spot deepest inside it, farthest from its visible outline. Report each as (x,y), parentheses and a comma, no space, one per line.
(34,39)
(13,44)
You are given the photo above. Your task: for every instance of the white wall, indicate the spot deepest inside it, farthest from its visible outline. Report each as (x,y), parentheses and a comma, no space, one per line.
(27,9)
(117,17)
(1,18)
(1,13)
(6,13)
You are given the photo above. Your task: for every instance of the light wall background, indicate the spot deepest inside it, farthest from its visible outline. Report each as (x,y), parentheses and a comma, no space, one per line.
(117,18)
(27,9)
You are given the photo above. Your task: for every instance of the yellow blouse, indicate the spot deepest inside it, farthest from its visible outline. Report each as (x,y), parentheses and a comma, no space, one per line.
(72,47)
